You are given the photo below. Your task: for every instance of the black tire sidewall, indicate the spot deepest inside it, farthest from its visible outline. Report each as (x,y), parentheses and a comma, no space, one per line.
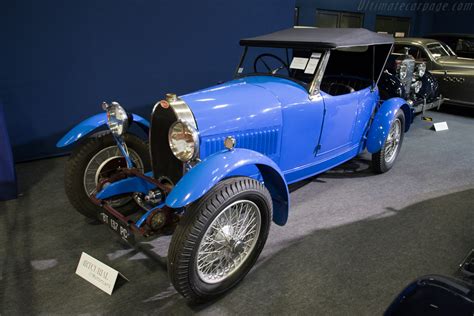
(78,161)
(215,289)
(200,289)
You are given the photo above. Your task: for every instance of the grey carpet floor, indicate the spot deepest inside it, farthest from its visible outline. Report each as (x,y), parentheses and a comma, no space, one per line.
(352,242)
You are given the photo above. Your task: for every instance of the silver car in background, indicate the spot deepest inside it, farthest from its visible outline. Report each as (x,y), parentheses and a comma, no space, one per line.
(455,74)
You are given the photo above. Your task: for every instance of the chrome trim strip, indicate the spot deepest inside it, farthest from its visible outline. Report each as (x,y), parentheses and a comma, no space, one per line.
(183,112)
(185,115)
(314,87)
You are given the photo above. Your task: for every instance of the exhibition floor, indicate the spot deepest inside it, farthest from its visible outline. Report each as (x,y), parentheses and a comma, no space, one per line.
(353,240)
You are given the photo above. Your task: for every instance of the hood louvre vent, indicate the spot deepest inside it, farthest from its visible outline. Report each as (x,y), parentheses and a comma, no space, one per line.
(265,142)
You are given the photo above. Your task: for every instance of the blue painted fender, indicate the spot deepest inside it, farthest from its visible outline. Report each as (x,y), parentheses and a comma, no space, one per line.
(384,117)
(200,179)
(92,123)
(128,185)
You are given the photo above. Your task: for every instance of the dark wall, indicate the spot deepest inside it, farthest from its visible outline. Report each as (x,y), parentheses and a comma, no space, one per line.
(60,59)
(426,17)
(455,22)
(421,22)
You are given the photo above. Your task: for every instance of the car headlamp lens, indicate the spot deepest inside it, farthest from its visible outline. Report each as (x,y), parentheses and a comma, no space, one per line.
(417,86)
(402,71)
(183,140)
(421,70)
(117,118)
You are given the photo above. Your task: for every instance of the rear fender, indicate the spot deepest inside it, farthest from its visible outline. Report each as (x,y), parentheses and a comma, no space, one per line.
(92,123)
(202,178)
(383,119)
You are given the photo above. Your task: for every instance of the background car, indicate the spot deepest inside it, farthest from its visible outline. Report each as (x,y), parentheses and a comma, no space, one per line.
(455,74)
(407,78)
(461,44)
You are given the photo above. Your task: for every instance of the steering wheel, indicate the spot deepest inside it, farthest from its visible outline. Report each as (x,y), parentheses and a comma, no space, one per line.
(262,58)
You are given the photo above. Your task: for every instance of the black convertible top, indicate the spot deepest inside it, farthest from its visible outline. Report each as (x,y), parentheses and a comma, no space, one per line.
(318,38)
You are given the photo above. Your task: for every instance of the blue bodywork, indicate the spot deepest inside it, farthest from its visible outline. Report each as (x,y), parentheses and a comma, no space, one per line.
(92,123)
(303,135)
(282,134)
(128,185)
(218,166)
(383,119)
(276,117)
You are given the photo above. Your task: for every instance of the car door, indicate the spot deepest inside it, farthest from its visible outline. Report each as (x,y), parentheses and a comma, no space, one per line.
(302,123)
(337,136)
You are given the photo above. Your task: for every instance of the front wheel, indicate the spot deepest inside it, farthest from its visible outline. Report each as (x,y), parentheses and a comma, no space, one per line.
(384,159)
(219,238)
(97,158)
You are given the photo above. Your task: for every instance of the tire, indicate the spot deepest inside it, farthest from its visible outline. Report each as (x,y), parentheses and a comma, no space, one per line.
(383,160)
(78,162)
(184,255)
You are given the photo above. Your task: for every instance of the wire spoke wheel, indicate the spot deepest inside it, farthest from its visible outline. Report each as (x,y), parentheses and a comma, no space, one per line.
(393,141)
(384,159)
(96,158)
(228,241)
(103,165)
(219,238)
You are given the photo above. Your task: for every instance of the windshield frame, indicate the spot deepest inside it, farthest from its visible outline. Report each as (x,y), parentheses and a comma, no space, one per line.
(311,87)
(438,45)
(449,49)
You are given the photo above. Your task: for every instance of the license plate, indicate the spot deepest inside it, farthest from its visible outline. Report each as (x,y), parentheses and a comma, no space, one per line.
(117,226)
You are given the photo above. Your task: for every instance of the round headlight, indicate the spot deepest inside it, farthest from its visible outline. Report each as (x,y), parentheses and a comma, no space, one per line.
(183,140)
(402,71)
(420,70)
(417,86)
(117,118)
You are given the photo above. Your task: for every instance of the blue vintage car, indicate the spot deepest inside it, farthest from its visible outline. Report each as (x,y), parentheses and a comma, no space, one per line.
(216,170)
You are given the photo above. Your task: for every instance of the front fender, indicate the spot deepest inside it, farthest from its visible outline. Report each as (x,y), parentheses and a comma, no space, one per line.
(200,179)
(92,123)
(383,119)
(125,186)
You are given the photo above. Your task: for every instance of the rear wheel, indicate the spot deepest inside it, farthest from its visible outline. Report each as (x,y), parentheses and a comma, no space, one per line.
(384,159)
(97,158)
(219,238)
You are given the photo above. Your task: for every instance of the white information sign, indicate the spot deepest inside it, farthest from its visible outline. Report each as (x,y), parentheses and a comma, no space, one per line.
(299,63)
(97,273)
(313,63)
(441,126)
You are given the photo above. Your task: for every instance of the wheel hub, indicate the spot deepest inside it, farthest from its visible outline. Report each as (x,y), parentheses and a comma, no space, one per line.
(237,247)
(103,165)
(393,140)
(228,241)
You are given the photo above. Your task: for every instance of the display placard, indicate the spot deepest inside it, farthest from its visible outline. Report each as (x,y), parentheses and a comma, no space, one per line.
(299,63)
(312,64)
(97,273)
(440,126)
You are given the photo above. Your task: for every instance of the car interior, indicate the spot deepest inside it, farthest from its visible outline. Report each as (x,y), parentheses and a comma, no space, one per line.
(346,71)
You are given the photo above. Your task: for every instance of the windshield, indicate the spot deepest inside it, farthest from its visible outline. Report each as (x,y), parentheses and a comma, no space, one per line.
(438,50)
(294,64)
(450,51)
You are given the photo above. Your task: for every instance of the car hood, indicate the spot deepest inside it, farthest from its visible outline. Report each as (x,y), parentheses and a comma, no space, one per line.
(456,62)
(248,104)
